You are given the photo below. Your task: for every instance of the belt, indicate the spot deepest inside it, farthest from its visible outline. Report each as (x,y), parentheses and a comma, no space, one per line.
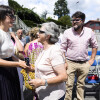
(81,62)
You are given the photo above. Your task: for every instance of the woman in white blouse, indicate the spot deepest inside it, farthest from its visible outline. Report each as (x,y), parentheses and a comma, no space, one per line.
(50,71)
(9,80)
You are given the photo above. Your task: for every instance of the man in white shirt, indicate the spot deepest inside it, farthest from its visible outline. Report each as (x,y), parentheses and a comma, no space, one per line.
(19,34)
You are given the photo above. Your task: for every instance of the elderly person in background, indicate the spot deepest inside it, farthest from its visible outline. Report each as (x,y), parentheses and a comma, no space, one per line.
(19,35)
(50,71)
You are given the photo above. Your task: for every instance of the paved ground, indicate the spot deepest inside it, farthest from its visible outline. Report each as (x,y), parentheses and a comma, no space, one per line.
(92,92)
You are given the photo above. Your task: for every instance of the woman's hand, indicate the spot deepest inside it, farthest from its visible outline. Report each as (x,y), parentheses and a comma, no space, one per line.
(13,35)
(22,64)
(37,82)
(30,69)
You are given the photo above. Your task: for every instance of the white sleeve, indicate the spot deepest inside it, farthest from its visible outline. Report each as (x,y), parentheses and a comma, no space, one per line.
(1,38)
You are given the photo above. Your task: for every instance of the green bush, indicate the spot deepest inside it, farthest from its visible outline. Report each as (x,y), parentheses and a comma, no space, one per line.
(55,21)
(25,13)
(30,23)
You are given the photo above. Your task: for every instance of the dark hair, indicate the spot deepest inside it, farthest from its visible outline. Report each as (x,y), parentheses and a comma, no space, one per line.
(79,14)
(4,11)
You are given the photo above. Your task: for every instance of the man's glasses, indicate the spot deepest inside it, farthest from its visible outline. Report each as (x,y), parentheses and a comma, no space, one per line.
(41,32)
(11,16)
(77,20)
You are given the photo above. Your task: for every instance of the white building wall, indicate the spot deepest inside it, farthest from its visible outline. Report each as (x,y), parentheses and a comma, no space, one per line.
(52,16)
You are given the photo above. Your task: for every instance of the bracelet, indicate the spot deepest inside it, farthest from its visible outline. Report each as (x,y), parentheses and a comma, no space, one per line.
(46,83)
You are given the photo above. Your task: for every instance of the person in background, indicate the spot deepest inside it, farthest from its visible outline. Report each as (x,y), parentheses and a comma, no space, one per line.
(60,39)
(9,80)
(19,35)
(33,39)
(50,71)
(75,42)
(32,50)
(16,42)
(27,38)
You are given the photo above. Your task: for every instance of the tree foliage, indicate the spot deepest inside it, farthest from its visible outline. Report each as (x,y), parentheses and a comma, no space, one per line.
(55,21)
(32,19)
(61,8)
(25,13)
(14,5)
(66,20)
(44,14)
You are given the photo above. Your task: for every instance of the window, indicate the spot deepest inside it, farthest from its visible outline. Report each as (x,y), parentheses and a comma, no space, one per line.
(97,31)
(91,25)
(97,24)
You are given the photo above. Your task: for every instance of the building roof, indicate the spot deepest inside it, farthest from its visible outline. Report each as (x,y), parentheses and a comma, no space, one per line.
(98,21)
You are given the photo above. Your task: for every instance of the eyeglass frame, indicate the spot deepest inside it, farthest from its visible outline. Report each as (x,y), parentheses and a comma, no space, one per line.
(77,20)
(41,32)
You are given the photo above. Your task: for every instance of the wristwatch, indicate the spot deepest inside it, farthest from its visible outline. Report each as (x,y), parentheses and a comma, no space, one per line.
(46,83)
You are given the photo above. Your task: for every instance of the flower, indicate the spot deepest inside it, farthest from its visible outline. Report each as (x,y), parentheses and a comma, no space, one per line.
(33,52)
(35,45)
(30,46)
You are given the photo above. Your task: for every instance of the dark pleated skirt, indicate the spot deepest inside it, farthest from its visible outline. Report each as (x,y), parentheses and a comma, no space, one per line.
(9,83)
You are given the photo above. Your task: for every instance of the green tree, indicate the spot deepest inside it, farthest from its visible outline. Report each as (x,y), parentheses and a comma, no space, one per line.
(61,8)
(66,20)
(44,14)
(25,14)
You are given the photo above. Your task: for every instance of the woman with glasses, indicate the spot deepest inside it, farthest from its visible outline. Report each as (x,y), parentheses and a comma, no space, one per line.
(9,80)
(50,71)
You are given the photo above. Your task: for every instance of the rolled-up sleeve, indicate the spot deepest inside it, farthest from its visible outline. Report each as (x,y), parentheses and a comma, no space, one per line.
(64,42)
(93,41)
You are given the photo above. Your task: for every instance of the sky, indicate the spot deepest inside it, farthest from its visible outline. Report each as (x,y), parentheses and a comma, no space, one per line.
(90,7)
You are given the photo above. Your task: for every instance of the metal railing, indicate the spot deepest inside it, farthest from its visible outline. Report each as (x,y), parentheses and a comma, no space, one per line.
(20,24)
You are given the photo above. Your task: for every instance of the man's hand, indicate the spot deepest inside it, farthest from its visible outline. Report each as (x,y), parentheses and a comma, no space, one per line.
(91,61)
(66,65)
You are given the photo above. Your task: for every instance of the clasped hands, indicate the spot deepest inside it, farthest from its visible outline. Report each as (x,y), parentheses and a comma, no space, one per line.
(23,65)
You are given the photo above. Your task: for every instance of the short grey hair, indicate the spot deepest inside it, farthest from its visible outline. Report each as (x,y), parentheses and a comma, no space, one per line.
(52,29)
